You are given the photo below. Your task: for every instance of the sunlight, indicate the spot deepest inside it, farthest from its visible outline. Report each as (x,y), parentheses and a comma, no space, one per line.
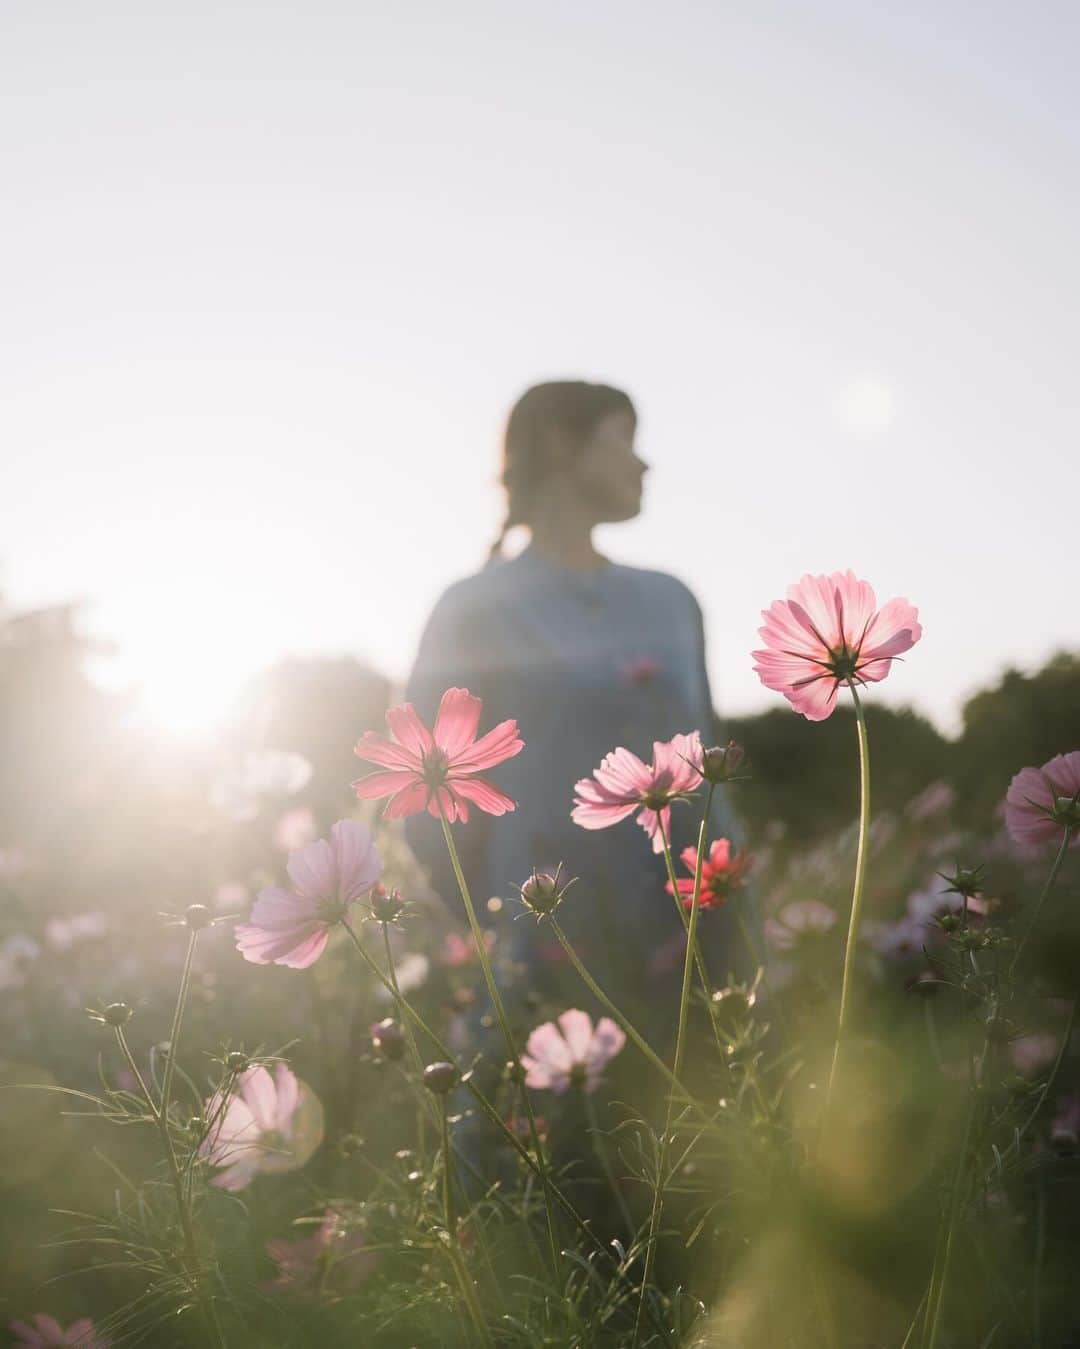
(866,406)
(185,652)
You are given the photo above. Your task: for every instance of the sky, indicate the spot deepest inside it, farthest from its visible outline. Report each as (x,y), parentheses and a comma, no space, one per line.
(272,276)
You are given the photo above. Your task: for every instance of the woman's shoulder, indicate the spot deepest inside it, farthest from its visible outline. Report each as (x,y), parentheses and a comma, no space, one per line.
(662,587)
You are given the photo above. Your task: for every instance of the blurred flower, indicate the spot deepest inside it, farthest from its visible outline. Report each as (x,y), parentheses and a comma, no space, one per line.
(268,1124)
(920,925)
(429,770)
(623,784)
(722,871)
(937,799)
(458,950)
(65,932)
(827,632)
(412,970)
(640,671)
(1030,1053)
(240,790)
(47,1333)
(801,918)
(291,927)
(295,828)
(1041,802)
(571,1053)
(17,954)
(331,1260)
(231,895)
(1065,1126)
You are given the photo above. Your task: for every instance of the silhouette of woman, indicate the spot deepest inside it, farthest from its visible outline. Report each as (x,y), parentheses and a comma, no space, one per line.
(586,654)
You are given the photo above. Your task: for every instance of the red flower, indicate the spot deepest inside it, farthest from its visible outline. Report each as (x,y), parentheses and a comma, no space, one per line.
(437,769)
(721,872)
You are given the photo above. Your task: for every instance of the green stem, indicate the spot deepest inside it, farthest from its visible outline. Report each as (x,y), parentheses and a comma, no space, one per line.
(461,1270)
(600,1148)
(489,1111)
(410,1038)
(178,1017)
(632,1032)
(851,948)
(680,1045)
(508,1035)
(161,1123)
(1042,897)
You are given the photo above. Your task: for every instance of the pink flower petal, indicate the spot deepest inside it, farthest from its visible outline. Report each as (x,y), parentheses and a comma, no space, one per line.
(408,730)
(377,749)
(577,1029)
(457,721)
(483,794)
(500,743)
(376,785)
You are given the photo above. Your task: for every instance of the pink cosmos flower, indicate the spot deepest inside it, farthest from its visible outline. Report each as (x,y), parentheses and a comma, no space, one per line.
(291,927)
(1041,802)
(623,784)
(331,1260)
(721,872)
(827,632)
(268,1124)
(47,1333)
(571,1053)
(437,769)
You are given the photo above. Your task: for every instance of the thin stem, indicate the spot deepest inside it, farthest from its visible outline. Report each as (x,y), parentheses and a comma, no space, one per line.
(851,948)
(680,1044)
(464,1279)
(410,1038)
(632,1032)
(161,1123)
(600,1148)
(492,1115)
(508,1035)
(178,1017)
(1042,897)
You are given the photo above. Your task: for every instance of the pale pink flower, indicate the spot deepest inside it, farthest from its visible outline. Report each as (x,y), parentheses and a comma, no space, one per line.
(827,632)
(722,871)
(268,1123)
(458,950)
(437,770)
(331,1260)
(799,919)
(291,927)
(571,1053)
(295,828)
(1031,1053)
(623,784)
(47,1333)
(1042,802)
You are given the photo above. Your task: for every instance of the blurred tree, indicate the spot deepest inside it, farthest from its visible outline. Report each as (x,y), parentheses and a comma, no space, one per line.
(317,707)
(806,773)
(1025,719)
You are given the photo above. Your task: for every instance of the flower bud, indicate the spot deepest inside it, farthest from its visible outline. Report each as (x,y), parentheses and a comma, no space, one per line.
(197,916)
(542,892)
(949,922)
(388,1039)
(733,1004)
(725,763)
(116,1014)
(386,905)
(236,1061)
(967,881)
(441,1078)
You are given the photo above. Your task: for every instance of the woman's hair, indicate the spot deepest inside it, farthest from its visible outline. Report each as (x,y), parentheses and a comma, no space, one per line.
(571,406)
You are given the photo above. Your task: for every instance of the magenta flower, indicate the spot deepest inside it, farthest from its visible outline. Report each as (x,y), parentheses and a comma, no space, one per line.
(1041,802)
(331,1260)
(47,1333)
(570,1053)
(268,1124)
(291,927)
(827,632)
(722,871)
(623,784)
(437,770)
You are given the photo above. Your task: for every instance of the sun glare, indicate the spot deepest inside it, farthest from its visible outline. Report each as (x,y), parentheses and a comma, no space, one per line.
(185,658)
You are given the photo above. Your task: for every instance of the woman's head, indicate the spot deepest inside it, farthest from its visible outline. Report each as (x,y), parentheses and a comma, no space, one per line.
(576,439)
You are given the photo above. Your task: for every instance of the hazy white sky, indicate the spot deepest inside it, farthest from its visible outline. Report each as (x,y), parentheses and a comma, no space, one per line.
(271,276)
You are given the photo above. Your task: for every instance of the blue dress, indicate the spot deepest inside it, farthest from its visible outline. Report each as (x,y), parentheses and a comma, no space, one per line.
(585,662)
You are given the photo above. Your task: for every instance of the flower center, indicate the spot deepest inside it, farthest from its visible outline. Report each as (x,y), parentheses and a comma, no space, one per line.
(577,1075)
(435,764)
(1067,811)
(843,662)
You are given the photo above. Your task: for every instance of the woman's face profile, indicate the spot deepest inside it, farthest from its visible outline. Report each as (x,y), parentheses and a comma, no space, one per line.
(607,471)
